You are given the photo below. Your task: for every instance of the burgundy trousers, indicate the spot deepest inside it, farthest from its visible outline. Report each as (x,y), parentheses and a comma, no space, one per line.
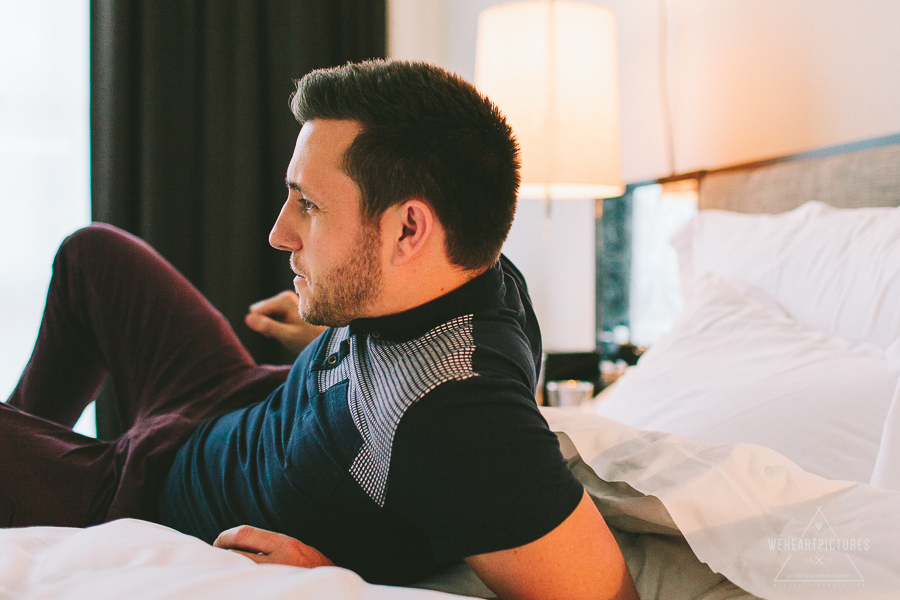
(115,306)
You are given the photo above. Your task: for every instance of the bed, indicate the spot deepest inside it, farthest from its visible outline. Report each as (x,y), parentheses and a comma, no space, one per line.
(754,452)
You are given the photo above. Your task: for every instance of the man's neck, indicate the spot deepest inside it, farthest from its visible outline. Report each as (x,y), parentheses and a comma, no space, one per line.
(419,284)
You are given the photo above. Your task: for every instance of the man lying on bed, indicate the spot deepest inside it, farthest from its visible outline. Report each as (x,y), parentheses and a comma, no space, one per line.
(403,439)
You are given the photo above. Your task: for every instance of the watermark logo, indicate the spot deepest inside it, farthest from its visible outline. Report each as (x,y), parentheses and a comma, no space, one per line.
(819,557)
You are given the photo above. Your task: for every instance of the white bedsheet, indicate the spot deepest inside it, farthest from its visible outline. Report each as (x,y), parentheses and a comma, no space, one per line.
(731,502)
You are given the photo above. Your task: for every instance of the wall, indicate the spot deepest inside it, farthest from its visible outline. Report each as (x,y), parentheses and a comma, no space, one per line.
(555,254)
(748,80)
(765,78)
(417,30)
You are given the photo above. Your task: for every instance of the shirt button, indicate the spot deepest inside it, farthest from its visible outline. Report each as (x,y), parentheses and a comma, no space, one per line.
(331,359)
(375,335)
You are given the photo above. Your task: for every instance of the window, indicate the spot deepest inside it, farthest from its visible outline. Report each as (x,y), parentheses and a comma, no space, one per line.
(44,160)
(655,292)
(640,282)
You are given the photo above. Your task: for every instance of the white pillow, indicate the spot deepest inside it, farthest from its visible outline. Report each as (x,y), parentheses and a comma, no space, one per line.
(886,473)
(837,270)
(738,369)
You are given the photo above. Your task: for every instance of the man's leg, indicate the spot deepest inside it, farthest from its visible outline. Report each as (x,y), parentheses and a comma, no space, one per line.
(115,306)
(50,475)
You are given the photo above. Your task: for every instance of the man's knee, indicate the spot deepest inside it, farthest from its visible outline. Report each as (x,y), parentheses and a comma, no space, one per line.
(94,242)
(94,235)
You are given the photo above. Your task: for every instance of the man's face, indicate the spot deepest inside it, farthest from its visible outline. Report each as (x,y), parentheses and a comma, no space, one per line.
(335,255)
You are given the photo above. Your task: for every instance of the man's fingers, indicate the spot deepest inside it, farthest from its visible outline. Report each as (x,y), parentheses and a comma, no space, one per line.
(293,336)
(284,298)
(267,326)
(278,318)
(254,556)
(262,546)
(247,538)
(228,538)
(284,303)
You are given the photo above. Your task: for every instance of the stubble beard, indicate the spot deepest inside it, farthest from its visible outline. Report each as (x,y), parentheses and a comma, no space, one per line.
(343,294)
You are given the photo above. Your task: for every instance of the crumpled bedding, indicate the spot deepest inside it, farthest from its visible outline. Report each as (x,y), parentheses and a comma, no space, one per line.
(695,521)
(751,515)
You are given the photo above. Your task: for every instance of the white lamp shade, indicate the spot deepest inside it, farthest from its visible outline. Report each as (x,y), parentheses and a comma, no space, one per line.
(551,67)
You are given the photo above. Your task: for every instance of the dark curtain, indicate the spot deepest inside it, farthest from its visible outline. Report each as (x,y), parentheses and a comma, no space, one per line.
(191,132)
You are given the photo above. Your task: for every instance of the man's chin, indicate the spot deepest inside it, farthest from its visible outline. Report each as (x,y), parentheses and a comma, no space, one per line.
(317,321)
(313,317)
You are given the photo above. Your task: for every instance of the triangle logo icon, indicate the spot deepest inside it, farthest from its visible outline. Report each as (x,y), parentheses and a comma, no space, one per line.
(818,555)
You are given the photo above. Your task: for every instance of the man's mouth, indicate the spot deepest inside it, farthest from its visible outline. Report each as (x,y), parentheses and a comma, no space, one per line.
(299,273)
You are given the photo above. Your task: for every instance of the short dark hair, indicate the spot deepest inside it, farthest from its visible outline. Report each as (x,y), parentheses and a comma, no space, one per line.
(425,133)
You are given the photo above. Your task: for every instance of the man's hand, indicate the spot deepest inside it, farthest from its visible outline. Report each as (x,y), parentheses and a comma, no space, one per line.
(579,560)
(278,317)
(268,547)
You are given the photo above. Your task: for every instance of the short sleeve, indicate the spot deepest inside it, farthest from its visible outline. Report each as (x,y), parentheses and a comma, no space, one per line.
(477,469)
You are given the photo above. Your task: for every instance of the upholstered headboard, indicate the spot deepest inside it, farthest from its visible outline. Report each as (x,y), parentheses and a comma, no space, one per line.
(865,173)
(842,176)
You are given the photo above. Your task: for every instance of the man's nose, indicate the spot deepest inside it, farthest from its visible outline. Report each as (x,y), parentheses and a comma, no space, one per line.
(284,234)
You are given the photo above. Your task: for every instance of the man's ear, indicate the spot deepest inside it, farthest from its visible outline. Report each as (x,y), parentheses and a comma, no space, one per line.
(413,226)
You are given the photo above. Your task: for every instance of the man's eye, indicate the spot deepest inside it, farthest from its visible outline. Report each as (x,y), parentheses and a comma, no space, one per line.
(306,205)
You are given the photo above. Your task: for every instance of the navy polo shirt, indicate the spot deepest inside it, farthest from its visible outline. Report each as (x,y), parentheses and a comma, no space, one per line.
(397,445)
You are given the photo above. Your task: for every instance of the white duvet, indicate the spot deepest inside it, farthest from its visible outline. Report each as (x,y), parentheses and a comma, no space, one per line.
(139,560)
(755,518)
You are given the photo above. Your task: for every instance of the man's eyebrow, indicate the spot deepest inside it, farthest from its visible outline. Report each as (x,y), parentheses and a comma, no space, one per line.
(293,186)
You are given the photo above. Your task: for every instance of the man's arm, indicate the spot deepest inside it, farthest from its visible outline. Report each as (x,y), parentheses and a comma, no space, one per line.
(579,559)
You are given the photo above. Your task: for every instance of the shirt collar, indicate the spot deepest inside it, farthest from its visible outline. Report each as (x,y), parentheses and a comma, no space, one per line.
(480,293)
